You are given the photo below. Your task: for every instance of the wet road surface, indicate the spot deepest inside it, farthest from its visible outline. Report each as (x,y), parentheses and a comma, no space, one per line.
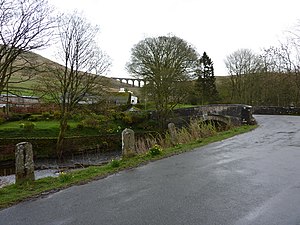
(252,178)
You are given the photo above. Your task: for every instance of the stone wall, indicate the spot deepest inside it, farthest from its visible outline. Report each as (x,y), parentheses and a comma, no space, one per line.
(46,147)
(274,110)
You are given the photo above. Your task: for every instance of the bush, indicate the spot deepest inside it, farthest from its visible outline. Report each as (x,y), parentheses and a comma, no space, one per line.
(18,117)
(155,150)
(90,123)
(35,118)
(139,117)
(56,115)
(103,118)
(127,119)
(110,128)
(28,126)
(130,118)
(46,115)
(64,177)
(80,126)
(93,121)
(148,124)
(117,115)
(115,163)
(78,116)
(68,127)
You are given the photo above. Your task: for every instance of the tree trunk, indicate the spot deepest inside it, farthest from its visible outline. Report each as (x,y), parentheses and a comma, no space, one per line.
(61,136)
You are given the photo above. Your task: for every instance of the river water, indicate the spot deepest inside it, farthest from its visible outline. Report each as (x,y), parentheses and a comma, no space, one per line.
(51,167)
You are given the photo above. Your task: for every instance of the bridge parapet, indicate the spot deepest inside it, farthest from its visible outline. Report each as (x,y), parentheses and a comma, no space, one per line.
(235,114)
(275,110)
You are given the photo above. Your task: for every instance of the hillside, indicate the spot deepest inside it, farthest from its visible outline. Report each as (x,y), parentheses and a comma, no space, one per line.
(27,87)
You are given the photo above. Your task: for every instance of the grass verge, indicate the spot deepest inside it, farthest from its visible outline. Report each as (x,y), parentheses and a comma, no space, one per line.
(13,194)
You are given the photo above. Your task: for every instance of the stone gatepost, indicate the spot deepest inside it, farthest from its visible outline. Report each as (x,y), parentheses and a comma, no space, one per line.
(128,143)
(173,133)
(24,163)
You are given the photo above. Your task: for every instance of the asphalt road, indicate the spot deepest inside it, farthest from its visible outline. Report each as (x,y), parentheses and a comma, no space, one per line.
(252,178)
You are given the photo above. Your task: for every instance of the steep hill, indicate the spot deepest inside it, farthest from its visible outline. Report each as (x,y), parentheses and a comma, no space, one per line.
(27,87)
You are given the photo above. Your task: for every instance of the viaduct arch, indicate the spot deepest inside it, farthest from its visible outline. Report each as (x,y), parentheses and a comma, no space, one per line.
(134,82)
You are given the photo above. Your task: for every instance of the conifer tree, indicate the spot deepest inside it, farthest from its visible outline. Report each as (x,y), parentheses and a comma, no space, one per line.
(206,81)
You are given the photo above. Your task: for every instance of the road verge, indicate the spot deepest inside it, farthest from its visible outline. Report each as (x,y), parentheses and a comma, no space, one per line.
(13,194)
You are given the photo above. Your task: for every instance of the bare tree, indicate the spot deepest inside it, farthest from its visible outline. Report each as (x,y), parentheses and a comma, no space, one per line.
(240,64)
(78,78)
(280,59)
(25,25)
(165,63)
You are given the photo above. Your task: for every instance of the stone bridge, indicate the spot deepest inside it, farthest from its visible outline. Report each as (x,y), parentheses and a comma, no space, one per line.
(235,114)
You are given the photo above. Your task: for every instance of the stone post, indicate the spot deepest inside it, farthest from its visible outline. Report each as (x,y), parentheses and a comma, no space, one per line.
(24,163)
(128,143)
(173,133)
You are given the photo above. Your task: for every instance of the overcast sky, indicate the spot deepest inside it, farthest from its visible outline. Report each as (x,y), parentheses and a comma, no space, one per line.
(218,27)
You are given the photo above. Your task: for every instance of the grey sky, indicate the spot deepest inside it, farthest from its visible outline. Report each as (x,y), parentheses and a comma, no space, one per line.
(218,27)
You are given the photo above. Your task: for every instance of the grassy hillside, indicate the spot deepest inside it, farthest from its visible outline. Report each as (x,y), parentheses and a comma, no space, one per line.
(27,87)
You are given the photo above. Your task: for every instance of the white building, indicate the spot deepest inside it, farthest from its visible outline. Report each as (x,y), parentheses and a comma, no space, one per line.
(134,100)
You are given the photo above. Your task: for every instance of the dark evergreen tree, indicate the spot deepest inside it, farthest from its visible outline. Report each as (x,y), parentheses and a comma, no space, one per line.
(206,81)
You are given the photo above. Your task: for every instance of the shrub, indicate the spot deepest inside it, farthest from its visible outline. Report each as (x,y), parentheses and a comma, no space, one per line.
(35,118)
(78,116)
(64,177)
(117,115)
(90,123)
(139,117)
(28,126)
(80,126)
(18,116)
(56,115)
(115,163)
(155,150)
(68,127)
(46,115)
(103,118)
(93,121)
(127,119)
(110,128)
(131,118)
(148,124)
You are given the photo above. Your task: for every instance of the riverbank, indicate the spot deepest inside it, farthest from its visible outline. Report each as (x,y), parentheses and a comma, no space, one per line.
(52,168)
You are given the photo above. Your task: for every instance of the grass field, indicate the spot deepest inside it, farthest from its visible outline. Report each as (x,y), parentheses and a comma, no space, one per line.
(43,129)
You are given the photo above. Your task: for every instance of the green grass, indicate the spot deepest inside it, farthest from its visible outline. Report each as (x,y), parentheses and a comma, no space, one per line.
(43,129)
(13,194)
(182,106)
(26,84)
(50,124)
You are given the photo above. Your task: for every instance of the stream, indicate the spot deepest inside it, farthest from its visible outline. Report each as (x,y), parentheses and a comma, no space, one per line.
(51,167)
